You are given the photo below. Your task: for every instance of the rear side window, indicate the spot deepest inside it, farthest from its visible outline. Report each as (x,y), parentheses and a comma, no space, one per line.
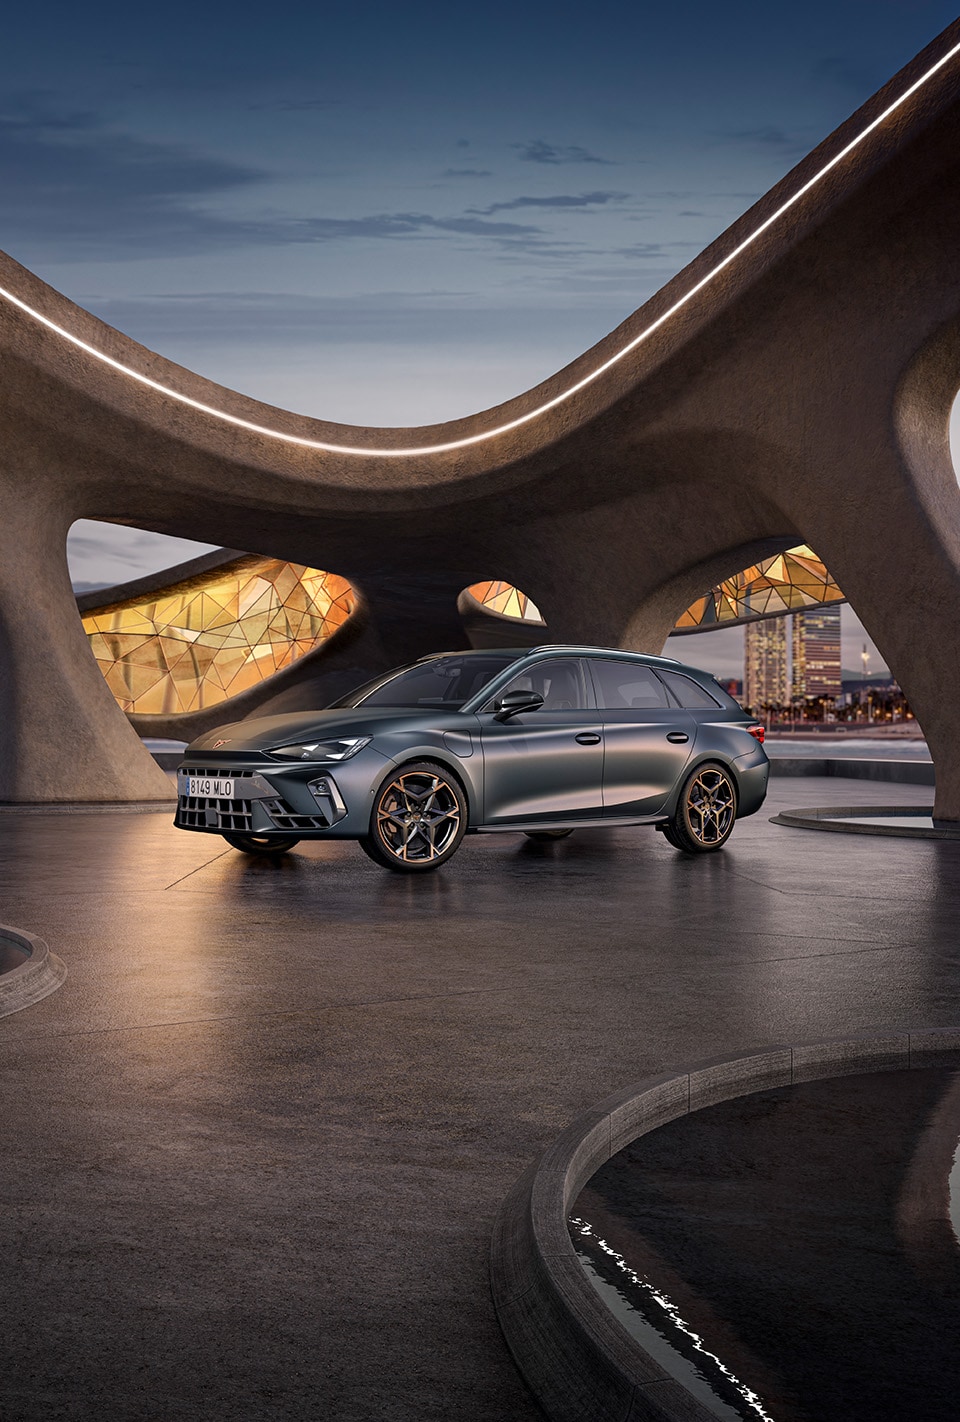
(689,692)
(622,686)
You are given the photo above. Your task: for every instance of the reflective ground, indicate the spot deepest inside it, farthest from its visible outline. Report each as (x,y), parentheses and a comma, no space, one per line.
(798,1248)
(254,1146)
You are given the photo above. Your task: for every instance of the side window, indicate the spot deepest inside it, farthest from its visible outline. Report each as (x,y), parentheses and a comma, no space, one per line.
(626,686)
(689,692)
(559,682)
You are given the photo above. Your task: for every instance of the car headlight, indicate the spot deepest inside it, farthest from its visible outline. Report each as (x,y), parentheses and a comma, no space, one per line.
(322,750)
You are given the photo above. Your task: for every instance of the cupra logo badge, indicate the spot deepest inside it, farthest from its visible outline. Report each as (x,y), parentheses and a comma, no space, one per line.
(217,744)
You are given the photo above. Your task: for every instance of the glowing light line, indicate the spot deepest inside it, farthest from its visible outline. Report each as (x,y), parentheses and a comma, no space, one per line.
(520,420)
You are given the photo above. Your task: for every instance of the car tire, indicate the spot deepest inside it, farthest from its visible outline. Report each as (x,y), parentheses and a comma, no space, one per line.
(262,844)
(706,811)
(668,833)
(418,820)
(547,834)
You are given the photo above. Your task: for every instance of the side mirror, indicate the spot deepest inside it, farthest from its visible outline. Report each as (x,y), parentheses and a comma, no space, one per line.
(513,702)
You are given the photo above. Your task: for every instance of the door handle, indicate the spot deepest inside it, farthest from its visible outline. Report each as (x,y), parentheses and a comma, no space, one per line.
(678,738)
(588,738)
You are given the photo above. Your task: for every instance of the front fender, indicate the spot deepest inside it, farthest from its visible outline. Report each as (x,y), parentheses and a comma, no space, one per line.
(468,769)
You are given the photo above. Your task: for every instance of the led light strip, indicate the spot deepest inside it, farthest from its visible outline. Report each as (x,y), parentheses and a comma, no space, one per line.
(548,404)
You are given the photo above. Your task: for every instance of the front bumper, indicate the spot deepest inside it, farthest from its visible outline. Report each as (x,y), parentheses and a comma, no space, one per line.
(306,799)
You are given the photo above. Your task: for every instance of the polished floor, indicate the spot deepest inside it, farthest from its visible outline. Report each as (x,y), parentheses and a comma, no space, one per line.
(253,1147)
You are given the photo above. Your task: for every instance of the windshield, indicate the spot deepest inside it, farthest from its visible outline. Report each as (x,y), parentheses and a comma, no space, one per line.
(444,682)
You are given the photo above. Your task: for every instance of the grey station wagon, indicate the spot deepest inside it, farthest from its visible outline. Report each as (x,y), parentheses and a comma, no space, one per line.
(541,741)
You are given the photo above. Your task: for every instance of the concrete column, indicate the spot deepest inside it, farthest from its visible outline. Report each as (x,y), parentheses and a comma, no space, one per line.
(62,735)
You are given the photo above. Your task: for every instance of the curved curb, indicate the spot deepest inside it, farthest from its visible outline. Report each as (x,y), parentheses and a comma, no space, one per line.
(579,1362)
(38,977)
(829,818)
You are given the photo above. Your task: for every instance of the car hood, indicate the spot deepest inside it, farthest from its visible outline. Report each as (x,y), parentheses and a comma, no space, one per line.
(268,732)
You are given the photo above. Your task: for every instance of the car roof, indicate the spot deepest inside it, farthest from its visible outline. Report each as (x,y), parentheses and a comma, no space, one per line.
(572,649)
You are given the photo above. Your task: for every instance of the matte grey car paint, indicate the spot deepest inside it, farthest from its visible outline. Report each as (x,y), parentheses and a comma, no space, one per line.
(542,768)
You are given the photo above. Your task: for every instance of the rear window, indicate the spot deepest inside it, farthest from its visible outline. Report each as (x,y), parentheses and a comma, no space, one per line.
(626,686)
(689,692)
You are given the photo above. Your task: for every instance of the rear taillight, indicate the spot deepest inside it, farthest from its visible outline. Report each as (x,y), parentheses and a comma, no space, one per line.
(757,732)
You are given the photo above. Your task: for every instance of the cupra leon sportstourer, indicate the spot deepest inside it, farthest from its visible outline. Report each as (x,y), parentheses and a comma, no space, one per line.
(541,741)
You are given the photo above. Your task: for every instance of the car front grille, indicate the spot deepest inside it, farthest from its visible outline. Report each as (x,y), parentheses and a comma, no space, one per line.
(236,816)
(202,812)
(286,818)
(206,812)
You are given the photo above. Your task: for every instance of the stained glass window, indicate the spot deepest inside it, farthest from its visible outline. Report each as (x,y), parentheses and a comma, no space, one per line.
(505,599)
(786,583)
(196,643)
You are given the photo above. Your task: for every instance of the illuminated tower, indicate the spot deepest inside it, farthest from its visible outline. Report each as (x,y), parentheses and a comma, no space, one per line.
(765,663)
(816,652)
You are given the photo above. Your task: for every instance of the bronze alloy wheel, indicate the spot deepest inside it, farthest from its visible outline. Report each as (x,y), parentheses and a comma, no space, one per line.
(262,843)
(706,812)
(419,818)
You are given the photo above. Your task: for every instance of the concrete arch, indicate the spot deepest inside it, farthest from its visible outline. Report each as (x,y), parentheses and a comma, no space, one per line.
(795,330)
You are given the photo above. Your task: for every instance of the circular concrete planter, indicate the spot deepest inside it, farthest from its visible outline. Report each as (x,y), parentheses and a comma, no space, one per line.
(40,973)
(835,819)
(580,1363)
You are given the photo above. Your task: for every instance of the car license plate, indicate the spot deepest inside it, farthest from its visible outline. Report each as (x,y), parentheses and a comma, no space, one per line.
(208,787)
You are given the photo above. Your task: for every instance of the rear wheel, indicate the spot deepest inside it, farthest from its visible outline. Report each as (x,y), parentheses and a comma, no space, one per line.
(269,844)
(547,834)
(419,818)
(706,811)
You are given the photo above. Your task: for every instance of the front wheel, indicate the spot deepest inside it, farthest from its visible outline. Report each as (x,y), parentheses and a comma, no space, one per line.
(419,818)
(706,811)
(269,844)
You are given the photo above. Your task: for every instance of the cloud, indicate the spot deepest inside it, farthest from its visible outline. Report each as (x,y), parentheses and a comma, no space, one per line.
(73,185)
(766,136)
(293,106)
(563,200)
(69,182)
(645,250)
(389,224)
(539,151)
(103,554)
(467,173)
(182,323)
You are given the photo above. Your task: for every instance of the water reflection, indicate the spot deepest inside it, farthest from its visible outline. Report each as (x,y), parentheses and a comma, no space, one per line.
(658,1325)
(805,1241)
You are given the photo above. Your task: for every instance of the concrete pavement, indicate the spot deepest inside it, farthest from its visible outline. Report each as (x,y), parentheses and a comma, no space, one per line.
(253,1148)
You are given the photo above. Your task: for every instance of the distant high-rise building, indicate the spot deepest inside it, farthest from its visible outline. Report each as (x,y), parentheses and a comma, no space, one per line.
(765,663)
(816,652)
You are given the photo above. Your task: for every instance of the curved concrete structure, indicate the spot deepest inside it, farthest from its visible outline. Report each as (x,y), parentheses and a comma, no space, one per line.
(38,974)
(792,385)
(578,1360)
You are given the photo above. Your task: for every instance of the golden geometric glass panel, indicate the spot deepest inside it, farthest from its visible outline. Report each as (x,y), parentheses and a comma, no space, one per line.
(505,599)
(214,635)
(785,583)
